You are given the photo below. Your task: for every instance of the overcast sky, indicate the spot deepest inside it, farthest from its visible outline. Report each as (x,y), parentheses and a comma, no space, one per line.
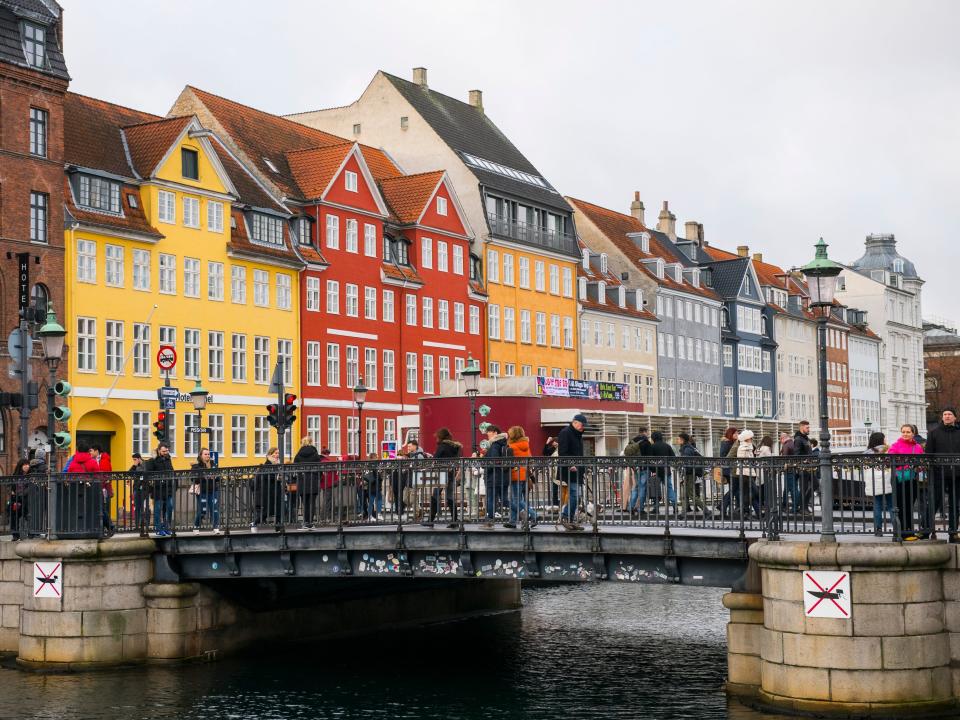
(772,123)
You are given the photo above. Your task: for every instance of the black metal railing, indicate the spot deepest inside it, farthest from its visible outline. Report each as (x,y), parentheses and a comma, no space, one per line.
(899,496)
(532,234)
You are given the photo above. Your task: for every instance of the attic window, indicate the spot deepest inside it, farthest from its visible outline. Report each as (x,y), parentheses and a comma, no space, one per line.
(603,263)
(132,201)
(638,294)
(233,222)
(441,206)
(404,122)
(645,242)
(98,194)
(303,230)
(350,181)
(623,296)
(898,265)
(356,128)
(34,45)
(273,168)
(601,292)
(189,164)
(660,266)
(267,229)
(582,288)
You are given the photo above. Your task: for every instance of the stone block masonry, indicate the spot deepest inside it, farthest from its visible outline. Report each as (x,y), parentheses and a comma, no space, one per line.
(897,656)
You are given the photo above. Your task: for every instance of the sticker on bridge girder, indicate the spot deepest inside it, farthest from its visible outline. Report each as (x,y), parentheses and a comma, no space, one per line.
(627,572)
(501,568)
(438,565)
(392,564)
(826,594)
(570,569)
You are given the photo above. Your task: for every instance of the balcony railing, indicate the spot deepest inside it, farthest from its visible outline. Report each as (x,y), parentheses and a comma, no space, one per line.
(532,234)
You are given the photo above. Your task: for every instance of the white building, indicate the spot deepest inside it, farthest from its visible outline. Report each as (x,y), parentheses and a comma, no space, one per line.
(887,287)
(863,347)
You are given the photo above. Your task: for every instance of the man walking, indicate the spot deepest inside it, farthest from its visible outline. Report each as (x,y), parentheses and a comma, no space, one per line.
(945,440)
(496,474)
(160,468)
(805,479)
(791,487)
(570,445)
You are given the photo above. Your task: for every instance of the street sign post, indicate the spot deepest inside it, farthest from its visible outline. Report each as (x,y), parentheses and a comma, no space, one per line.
(198,430)
(166,357)
(168,396)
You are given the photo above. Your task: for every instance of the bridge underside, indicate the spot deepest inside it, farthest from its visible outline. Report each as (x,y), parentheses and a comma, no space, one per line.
(626,555)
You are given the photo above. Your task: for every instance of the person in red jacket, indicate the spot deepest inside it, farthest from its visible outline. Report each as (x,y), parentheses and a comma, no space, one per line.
(106,485)
(83,461)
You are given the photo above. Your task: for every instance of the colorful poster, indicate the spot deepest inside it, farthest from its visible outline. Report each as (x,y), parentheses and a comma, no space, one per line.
(583,389)
(555,387)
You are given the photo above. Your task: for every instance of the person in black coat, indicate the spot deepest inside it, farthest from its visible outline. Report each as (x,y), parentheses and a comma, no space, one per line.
(570,445)
(206,489)
(141,493)
(495,475)
(162,485)
(661,448)
(447,448)
(268,491)
(308,481)
(945,440)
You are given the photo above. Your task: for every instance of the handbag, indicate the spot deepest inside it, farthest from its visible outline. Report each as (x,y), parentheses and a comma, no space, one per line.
(195,489)
(718,477)
(291,487)
(905,474)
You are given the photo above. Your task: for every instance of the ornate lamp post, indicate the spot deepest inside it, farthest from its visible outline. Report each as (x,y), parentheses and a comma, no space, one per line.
(471,381)
(52,335)
(359,398)
(821,274)
(198,396)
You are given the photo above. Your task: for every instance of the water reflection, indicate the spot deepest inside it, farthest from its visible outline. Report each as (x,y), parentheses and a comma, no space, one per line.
(590,651)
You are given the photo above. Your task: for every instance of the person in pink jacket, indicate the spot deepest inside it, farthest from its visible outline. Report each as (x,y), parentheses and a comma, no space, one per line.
(906,482)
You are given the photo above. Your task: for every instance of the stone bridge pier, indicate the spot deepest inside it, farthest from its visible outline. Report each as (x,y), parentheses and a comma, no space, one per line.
(897,655)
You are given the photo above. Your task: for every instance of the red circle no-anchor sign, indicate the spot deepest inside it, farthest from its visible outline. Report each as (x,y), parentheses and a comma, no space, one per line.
(166,357)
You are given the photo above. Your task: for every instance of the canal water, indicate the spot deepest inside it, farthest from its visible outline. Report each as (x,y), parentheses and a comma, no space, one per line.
(585,651)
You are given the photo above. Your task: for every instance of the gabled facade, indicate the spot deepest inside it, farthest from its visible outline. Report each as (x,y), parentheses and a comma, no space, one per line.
(33,80)
(617,333)
(527,238)
(170,242)
(388,292)
(687,310)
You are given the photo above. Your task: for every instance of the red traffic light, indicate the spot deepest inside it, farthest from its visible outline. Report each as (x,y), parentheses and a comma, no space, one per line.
(289,400)
(161,416)
(272,409)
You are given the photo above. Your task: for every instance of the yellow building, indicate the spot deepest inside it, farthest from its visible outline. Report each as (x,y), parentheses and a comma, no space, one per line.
(170,242)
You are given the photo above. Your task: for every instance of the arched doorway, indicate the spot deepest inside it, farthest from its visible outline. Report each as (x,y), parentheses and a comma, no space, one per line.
(106,429)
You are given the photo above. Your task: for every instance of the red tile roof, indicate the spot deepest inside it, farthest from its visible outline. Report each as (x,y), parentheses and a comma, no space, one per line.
(408,195)
(249,190)
(615,227)
(717,254)
(91,133)
(400,272)
(148,142)
(615,309)
(313,169)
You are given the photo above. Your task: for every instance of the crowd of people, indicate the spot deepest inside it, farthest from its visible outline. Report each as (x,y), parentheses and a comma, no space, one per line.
(511,490)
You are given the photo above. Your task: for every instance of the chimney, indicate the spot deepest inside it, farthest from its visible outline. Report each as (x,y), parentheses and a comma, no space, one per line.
(636,207)
(476,98)
(420,76)
(694,232)
(667,222)
(758,257)
(743,250)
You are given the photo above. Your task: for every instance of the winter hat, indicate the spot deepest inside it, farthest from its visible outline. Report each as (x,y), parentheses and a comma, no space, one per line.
(40,454)
(580,417)
(745,436)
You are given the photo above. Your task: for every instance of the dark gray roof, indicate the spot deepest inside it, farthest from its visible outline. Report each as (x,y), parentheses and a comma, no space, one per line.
(728,276)
(42,12)
(469,130)
(880,254)
(672,252)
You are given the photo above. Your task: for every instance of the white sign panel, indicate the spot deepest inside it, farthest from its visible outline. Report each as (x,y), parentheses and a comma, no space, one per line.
(47,580)
(826,594)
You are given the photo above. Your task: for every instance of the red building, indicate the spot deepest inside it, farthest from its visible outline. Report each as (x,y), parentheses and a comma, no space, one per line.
(388,293)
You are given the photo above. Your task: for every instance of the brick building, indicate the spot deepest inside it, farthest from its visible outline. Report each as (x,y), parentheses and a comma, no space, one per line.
(33,81)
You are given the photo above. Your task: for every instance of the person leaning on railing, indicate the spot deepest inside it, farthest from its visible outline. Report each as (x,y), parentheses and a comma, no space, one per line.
(163,485)
(308,481)
(141,493)
(16,502)
(747,473)
(945,440)
(907,479)
(880,485)
(206,490)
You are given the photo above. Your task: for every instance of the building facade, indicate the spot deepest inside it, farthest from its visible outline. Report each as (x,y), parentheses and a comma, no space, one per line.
(941,353)
(863,351)
(525,230)
(33,81)
(886,285)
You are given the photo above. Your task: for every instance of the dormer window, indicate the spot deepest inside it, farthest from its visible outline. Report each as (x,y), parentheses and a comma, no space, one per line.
(898,265)
(586,258)
(98,194)
(34,44)
(269,162)
(660,267)
(266,229)
(601,292)
(302,227)
(645,242)
(475,268)
(695,277)
(747,285)
(603,263)
(677,271)
(350,181)
(582,288)
(623,296)
(638,296)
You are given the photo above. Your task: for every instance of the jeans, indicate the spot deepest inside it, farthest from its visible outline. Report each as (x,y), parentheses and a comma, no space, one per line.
(208,503)
(374,502)
(574,491)
(638,496)
(882,505)
(162,514)
(141,518)
(791,489)
(518,502)
(496,490)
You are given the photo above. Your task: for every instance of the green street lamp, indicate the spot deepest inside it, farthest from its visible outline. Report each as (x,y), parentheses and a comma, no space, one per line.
(198,396)
(471,382)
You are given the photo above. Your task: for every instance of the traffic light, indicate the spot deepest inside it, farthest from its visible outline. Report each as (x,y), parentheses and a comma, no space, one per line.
(274,415)
(160,427)
(61,413)
(289,409)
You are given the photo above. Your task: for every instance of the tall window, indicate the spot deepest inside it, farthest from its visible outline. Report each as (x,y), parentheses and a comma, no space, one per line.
(313,294)
(524,265)
(443,315)
(86,261)
(215,423)
(567,282)
(333,434)
(215,355)
(508,268)
(426,253)
(261,288)
(411,372)
(333,297)
(428,374)
(38,216)
(141,270)
(261,436)
(389,383)
(388,306)
(370,437)
(313,429)
(411,310)
(525,326)
(215,280)
(313,362)
(333,232)
(370,367)
(493,266)
(86,344)
(38,132)
(370,303)
(568,333)
(189,164)
(141,349)
(141,432)
(191,354)
(238,435)
(352,301)
(353,435)
(284,291)
(333,365)
(114,349)
(353,365)
(554,280)
(457,260)
(427,304)
(539,277)
(238,284)
(541,328)
(493,321)
(458,317)
(351,235)
(168,274)
(191,277)
(35,45)
(369,240)
(238,357)
(167,212)
(214,216)
(474,320)
(191,212)
(168,336)
(555,330)
(285,356)
(261,359)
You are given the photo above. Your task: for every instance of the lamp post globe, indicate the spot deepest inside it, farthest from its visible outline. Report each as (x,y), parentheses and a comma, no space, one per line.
(198,396)
(52,335)
(359,398)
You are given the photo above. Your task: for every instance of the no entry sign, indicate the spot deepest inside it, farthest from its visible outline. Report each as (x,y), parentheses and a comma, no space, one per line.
(47,580)
(826,594)
(166,357)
